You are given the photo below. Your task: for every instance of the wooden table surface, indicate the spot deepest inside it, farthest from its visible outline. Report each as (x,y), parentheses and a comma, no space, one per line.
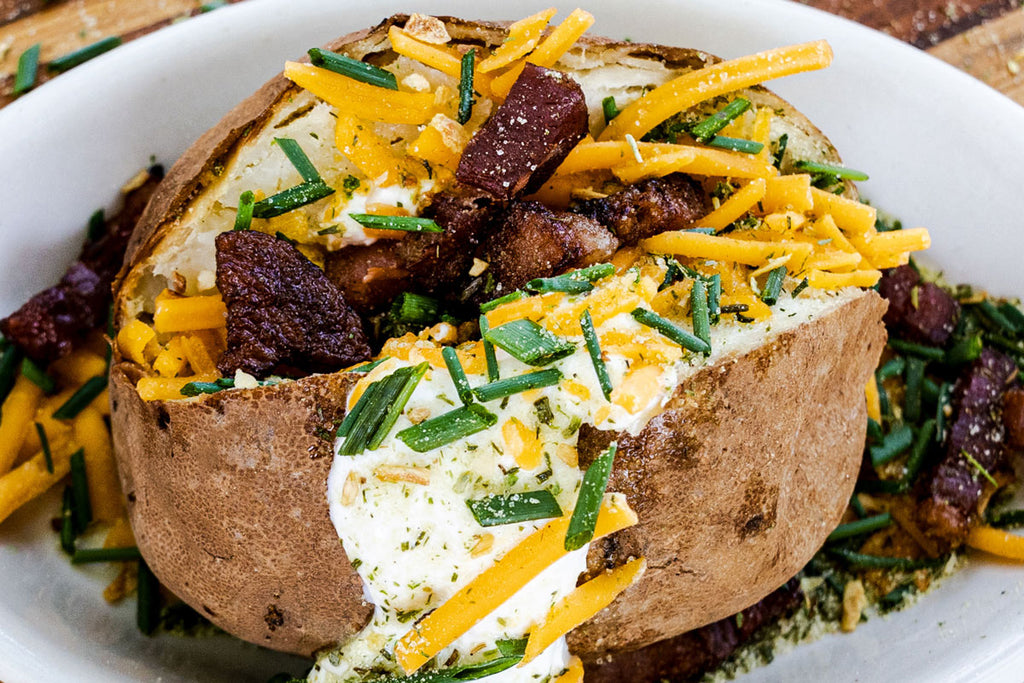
(985,38)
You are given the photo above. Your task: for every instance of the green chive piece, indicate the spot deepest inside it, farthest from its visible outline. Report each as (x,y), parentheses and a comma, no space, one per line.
(281,236)
(367,426)
(44,443)
(332,230)
(1007,519)
(492,360)
(501,388)
(291,199)
(508,298)
(715,298)
(80,490)
(995,315)
(355,415)
(860,527)
(1013,315)
(978,466)
(353,68)
(967,349)
(81,398)
(575,282)
(37,376)
(594,349)
(699,312)
(1014,348)
(366,367)
(528,342)
(773,285)
(404,223)
(73,59)
(780,152)
(588,504)
(212,5)
(897,595)
(451,359)
(243,216)
(97,226)
(736,144)
(512,647)
(447,428)
(799,288)
(10,361)
(874,430)
(863,561)
(929,391)
(919,350)
(706,129)
(106,555)
(455,674)
(670,330)
(894,443)
(147,609)
(611,110)
(466,86)
(857,506)
(514,507)
(299,159)
(28,64)
(196,388)
(912,397)
(918,452)
(883,398)
(830,170)
(397,405)
(67,522)
(894,367)
(416,309)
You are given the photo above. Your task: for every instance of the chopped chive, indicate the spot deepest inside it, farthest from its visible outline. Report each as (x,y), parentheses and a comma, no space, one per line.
(196,388)
(887,486)
(106,555)
(736,144)
(10,361)
(883,398)
(574,282)
(670,330)
(897,595)
(492,360)
(989,310)
(860,527)
(73,59)
(332,230)
(706,129)
(701,231)
(67,522)
(894,443)
(397,405)
(830,170)
(28,64)
(929,391)
(894,367)
(857,506)
(966,349)
(912,395)
(780,152)
(610,109)
(773,285)
(81,398)
(715,297)
(404,223)
(511,647)
(699,312)
(919,350)
(37,376)
(514,507)
(1007,519)
(281,236)
(1010,346)
(353,416)
(299,159)
(212,5)
(799,288)
(594,349)
(874,430)
(353,68)
(291,199)
(417,309)
(466,86)
(863,561)
(675,272)
(501,388)
(1013,315)
(915,461)
(97,226)
(243,216)
(451,359)
(507,298)
(366,367)
(44,443)
(528,342)
(80,490)
(978,466)
(147,608)
(447,428)
(588,503)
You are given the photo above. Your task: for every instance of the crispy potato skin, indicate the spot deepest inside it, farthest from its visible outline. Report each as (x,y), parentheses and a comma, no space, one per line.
(737,484)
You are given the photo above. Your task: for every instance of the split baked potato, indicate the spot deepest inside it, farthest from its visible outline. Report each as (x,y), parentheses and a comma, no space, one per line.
(737,474)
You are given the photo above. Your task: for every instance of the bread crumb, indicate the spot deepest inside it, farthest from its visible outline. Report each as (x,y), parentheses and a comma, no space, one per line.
(854,602)
(416,83)
(478,268)
(243,380)
(427,29)
(484,543)
(403,473)
(350,491)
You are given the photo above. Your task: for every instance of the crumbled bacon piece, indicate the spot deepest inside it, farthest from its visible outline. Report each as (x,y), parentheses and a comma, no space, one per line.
(648,207)
(920,311)
(283,312)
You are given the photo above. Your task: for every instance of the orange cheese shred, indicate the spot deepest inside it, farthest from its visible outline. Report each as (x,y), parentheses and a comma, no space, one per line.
(997,542)
(498,583)
(18,410)
(556,44)
(523,36)
(741,201)
(190,313)
(748,252)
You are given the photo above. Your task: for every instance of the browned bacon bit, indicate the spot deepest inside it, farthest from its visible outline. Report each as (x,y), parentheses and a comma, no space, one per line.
(48,326)
(528,136)
(921,311)
(283,312)
(1013,417)
(687,656)
(648,207)
(977,433)
(369,277)
(534,241)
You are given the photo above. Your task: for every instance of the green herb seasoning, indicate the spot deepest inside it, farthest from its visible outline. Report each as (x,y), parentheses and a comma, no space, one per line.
(588,504)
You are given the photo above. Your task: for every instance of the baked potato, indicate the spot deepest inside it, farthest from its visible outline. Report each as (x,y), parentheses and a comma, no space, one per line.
(737,456)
